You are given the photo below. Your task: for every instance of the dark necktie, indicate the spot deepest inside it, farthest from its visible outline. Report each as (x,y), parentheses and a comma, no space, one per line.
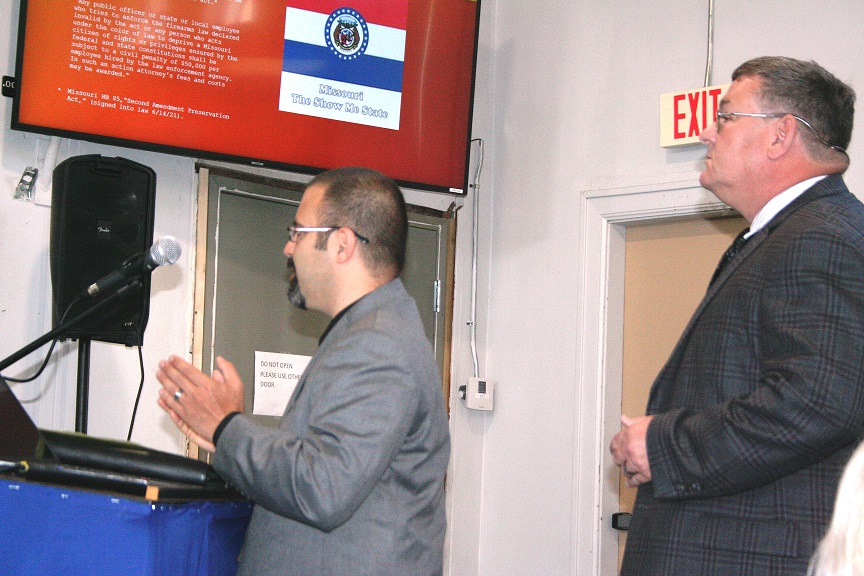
(730,253)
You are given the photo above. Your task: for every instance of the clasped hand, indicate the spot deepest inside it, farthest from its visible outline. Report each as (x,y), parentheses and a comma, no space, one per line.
(629,450)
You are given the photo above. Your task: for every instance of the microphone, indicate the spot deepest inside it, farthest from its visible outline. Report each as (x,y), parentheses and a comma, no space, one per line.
(166,250)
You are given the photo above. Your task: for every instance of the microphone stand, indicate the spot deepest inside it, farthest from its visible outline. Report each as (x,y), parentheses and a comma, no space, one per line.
(83,350)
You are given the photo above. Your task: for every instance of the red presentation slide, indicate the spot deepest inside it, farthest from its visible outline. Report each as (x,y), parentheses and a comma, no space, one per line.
(302,84)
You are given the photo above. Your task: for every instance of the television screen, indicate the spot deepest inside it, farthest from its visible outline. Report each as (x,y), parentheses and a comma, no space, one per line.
(303,85)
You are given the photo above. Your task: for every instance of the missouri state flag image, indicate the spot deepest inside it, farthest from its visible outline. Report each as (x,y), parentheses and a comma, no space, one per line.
(344,60)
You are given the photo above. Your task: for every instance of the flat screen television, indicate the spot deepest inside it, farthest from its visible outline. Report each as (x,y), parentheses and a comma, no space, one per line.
(303,85)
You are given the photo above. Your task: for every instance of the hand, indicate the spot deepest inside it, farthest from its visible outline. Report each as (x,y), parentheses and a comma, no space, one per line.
(630,452)
(196,402)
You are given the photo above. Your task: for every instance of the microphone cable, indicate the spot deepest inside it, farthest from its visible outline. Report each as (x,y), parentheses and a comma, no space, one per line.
(50,349)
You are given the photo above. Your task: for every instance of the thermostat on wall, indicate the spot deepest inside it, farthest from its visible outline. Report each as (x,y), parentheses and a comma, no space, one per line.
(479,394)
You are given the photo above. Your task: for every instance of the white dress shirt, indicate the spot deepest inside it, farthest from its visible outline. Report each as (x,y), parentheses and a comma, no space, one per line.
(776,204)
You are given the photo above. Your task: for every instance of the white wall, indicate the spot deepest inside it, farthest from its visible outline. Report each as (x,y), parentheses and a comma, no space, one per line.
(572,106)
(566,102)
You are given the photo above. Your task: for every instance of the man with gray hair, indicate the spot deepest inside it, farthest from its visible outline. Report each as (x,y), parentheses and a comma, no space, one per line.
(752,419)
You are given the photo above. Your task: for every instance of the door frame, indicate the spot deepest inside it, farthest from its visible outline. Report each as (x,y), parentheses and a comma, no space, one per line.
(605,214)
(418,216)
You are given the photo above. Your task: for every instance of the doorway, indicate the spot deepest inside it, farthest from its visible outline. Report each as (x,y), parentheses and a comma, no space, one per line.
(667,269)
(605,216)
(241,304)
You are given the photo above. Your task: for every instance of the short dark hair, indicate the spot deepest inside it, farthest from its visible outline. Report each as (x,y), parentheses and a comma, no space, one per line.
(808,90)
(373,205)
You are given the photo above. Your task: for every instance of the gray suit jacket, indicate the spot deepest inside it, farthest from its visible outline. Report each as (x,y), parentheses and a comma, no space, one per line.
(352,482)
(761,403)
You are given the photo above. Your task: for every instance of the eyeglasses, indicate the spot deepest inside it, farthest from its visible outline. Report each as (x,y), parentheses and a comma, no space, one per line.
(295,231)
(726,116)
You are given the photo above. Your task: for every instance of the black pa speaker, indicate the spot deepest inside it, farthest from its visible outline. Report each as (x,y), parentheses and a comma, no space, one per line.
(102,212)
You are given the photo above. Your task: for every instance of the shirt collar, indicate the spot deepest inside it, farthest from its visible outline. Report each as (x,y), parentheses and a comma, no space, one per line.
(333,322)
(778,203)
(336,319)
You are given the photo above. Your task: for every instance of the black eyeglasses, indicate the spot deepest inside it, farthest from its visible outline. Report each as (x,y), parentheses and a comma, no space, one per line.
(295,231)
(726,116)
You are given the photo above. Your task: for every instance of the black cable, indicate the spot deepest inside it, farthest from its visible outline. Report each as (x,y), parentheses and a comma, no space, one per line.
(138,396)
(50,350)
(38,372)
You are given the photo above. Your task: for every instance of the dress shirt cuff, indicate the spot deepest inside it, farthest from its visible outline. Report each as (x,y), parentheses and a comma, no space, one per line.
(221,427)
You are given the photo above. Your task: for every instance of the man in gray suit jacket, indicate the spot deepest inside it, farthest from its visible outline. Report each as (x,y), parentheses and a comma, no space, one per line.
(761,403)
(352,481)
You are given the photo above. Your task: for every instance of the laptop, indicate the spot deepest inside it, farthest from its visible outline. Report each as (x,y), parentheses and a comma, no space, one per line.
(79,460)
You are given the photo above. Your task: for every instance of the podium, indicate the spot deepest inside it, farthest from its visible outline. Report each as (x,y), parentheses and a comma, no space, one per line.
(55,530)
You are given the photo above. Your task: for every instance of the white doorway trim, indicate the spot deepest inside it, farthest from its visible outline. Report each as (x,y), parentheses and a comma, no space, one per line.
(605,215)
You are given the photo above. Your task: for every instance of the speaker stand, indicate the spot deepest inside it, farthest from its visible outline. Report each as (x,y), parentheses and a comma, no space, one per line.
(83,392)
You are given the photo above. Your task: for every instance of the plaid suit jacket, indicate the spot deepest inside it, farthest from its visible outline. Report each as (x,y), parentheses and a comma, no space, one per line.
(761,402)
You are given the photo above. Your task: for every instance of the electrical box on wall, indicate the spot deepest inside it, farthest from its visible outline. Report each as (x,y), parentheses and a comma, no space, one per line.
(479,394)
